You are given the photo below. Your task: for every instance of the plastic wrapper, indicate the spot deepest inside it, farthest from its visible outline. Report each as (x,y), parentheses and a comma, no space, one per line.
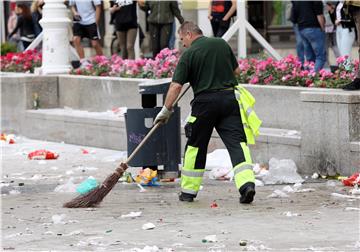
(352,180)
(147,177)
(7,138)
(126,177)
(42,154)
(88,185)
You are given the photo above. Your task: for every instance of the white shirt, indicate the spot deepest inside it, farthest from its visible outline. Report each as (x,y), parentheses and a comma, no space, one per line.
(86,9)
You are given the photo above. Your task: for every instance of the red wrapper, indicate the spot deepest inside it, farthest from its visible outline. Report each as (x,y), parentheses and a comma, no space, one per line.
(42,154)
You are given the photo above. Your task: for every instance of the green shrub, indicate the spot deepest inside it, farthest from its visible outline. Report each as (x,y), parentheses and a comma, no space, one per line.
(7,48)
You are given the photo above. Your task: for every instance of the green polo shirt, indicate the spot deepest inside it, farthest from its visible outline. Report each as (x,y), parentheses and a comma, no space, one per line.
(208,64)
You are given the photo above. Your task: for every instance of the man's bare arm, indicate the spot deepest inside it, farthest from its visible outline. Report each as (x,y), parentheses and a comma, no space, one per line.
(321,20)
(98,12)
(237,71)
(172,94)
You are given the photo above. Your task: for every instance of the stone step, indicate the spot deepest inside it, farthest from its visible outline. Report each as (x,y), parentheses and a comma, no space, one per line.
(107,130)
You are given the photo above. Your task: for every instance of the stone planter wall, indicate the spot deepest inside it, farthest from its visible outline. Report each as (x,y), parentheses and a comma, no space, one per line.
(318,128)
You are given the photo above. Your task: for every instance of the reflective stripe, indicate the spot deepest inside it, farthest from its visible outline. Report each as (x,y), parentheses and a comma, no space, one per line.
(190,158)
(191,179)
(242,167)
(192,173)
(237,95)
(191,119)
(189,191)
(248,111)
(243,177)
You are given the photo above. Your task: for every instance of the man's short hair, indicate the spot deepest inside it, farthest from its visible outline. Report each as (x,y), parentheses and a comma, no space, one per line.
(188,26)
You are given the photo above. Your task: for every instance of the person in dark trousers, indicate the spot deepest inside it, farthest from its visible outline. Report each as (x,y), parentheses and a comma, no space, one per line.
(160,19)
(220,13)
(309,17)
(355,12)
(300,51)
(25,24)
(209,65)
(125,20)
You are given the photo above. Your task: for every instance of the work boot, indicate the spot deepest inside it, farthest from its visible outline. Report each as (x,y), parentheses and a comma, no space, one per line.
(247,192)
(354,85)
(186,197)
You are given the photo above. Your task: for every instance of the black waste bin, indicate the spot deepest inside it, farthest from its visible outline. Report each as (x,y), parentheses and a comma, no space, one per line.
(164,146)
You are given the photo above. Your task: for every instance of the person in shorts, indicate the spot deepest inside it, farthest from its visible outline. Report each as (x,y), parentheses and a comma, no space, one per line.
(86,19)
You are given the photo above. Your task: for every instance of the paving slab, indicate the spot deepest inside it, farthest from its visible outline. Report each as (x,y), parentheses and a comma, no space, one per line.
(33,218)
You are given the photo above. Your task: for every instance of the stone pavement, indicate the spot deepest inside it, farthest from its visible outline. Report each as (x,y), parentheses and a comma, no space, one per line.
(307,221)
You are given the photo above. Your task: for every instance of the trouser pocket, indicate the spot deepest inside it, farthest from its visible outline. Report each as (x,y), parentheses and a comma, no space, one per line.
(189,126)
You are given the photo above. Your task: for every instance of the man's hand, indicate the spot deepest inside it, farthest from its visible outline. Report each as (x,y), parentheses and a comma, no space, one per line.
(163,116)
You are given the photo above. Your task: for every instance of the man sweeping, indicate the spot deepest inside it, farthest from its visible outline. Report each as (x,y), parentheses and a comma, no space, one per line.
(210,66)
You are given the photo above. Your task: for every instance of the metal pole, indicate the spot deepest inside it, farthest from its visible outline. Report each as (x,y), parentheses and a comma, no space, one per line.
(241,14)
(2,11)
(55,22)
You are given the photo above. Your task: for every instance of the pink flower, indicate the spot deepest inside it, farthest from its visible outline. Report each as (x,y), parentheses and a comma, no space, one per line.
(254,80)
(268,79)
(342,59)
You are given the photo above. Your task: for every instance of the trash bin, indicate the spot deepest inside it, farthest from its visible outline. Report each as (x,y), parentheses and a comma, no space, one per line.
(164,146)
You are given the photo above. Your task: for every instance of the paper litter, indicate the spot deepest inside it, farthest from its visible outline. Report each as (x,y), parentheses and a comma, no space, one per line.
(148,226)
(278,194)
(352,209)
(290,214)
(58,219)
(131,215)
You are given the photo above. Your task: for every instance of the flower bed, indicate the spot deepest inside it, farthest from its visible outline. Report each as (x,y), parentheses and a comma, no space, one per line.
(288,71)
(263,71)
(162,66)
(23,62)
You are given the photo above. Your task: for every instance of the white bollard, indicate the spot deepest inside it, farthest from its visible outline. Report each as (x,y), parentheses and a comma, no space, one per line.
(56,47)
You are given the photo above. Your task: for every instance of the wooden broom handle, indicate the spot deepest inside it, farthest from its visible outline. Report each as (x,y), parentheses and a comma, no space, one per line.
(153,129)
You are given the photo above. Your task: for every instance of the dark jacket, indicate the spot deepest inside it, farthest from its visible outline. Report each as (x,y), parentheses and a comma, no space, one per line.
(162,12)
(126,16)
(26,27)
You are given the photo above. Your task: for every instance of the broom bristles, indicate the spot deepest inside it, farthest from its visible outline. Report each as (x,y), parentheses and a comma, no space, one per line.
(94,197)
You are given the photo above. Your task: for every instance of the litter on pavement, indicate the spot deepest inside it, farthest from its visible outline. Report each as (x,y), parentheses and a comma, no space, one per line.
(210,238)
(42,154)
(352,180)
(131,215)
(148,226)
(280,172)
(87,185)
(68,187)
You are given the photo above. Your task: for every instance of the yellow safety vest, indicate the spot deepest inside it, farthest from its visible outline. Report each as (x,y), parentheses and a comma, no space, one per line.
(250,120)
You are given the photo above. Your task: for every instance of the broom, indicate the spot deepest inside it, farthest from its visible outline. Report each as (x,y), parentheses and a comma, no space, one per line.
(94,197)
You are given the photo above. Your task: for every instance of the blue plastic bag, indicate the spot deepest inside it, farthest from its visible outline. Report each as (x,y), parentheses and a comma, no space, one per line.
(87,185)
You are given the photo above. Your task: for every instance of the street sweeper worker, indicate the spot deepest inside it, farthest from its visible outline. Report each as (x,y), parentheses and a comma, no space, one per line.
(209,65)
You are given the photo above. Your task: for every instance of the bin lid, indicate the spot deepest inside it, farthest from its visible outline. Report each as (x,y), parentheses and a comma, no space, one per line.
(159,86)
